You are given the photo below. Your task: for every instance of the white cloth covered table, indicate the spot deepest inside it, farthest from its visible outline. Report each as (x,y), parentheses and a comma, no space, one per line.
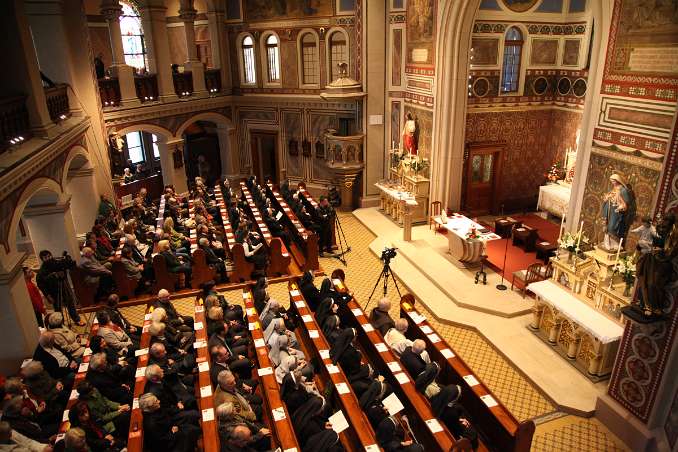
(466,251)
(594,322)
(554,198)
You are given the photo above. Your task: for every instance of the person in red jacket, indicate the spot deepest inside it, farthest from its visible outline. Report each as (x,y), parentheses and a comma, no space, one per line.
(36,296)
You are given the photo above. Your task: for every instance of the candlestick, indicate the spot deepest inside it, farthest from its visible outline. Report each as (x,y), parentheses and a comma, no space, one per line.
(581,229)
(616,259)
(560,231)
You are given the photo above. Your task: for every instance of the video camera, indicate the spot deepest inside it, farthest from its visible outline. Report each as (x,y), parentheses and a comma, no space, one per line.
(388,254)
(60,264)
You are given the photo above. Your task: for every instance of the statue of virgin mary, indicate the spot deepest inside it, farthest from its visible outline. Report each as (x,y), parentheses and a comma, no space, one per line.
(619,210)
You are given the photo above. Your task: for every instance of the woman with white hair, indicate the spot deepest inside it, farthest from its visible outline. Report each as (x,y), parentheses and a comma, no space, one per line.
(64,338)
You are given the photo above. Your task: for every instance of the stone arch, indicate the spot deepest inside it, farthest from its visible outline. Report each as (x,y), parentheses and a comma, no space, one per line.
(76,153)
(151,128)
(214,117)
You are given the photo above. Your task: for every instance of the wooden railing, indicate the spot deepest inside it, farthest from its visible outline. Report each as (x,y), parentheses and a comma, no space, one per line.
(57,102)
(213,80)
(14,121)
(146,87)
(109,91)
(183,83)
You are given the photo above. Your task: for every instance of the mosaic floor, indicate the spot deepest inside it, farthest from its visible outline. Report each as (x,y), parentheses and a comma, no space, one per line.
(555,432)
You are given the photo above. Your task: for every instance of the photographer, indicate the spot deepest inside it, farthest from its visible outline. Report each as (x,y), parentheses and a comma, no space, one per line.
(52,281)
(326,215)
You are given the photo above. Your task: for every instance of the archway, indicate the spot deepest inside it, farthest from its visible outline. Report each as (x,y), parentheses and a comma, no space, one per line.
(78,181)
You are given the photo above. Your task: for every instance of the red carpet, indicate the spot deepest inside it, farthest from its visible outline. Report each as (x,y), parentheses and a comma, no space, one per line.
(516,258)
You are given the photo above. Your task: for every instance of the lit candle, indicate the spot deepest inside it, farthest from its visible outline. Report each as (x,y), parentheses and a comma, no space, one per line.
(560,231)
(616,259)
(581,229)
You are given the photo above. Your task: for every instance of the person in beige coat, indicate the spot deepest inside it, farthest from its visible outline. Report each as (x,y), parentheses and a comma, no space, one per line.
(64,338)
(115,337)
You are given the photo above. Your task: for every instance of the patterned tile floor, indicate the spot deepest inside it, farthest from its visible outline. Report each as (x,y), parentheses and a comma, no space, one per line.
(559,433)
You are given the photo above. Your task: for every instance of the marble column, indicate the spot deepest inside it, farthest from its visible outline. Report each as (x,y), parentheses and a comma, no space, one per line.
(219,43)
(170,174)
(51,228)
(17,322)
(187,14)
(84,198)
(111,10)
(155,29)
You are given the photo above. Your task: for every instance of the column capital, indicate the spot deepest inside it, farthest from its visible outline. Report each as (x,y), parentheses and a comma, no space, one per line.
(111,10)
(188,15)
(10,265)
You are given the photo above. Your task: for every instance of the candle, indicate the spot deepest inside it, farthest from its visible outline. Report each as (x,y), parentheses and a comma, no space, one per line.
(616,259)
(560,231)
(579,234)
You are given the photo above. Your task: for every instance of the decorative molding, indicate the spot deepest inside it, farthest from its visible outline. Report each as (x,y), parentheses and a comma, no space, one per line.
(398,18)
(647,146)
(534,28)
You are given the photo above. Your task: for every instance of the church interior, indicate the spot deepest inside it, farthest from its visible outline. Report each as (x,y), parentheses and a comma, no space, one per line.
(326,225)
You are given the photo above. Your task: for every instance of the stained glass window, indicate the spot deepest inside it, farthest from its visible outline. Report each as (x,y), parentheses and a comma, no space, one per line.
(132,32)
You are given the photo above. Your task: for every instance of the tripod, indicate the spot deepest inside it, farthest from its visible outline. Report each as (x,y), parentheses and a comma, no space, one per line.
(342,243)
(385,273)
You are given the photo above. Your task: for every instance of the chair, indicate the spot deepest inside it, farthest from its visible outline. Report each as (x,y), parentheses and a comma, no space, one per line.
(84,291)
(535,272)
(525,236)
(436,207)
(201,271)
(242,268)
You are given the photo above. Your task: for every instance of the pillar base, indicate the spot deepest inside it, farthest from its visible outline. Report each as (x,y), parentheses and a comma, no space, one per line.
(626,426)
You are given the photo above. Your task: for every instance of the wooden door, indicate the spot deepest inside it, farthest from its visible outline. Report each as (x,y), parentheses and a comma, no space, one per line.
(264,155)
(481,177)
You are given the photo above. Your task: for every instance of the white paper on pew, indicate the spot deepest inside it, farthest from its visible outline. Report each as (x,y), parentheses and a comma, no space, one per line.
(208,414)
(489,400)
(135,403)
(279,414)
(447,353)
(471,380)
(258,343)
(198,326)
(96,321)
(250,311)
(204,366)
(426,329)
(324,354)
(252,326)
(342,388)
(433,338)
(295,293)
(338,422)
(367,327)
(402,378)
(64,418)
(141,351)
(372,448)
(265,371)
(199,344)
(394,366)
(331,368)
(141,372)
(83,367)
(381,347)
(245,295)
(145,329)
(278,216)
(205,391)
(88,352)
(306,318)
(434,425)
(416,317)
(147,316)
(313,334)
(357,312)
(337,282)
(300,304)
(392,404)
(200,308)
(74,395)
(291,449)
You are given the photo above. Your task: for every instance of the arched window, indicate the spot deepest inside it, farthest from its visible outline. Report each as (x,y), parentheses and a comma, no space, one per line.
(133,44)
(249,72)
(338,53)
(273,59)
(510,70)
(310,68)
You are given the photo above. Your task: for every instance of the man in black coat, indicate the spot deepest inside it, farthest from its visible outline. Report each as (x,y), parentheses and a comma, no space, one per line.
(58,363)
(415,358)
(380,317)
(163,432)
(101,377)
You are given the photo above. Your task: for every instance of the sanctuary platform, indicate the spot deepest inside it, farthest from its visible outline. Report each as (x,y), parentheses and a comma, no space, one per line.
(502,317)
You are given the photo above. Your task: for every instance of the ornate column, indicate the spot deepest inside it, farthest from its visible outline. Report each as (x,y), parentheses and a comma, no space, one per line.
(537,311)
(155,27)
(51,228)
(407,222)
(187,14)
(219,43)
(112,11)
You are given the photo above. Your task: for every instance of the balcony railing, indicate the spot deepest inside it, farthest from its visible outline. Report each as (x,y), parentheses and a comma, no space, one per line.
(146,87)
(109,91)
(14,124)
(183,83)
(213,80)
(57,102)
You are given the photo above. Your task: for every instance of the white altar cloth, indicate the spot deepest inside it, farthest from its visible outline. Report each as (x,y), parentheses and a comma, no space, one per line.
(398,195)
(599,326)
(554,198)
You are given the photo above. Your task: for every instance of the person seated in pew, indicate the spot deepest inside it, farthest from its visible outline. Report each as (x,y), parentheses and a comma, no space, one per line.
(96,436)
(313,429)
(133,269)
(179,242)
(175,340)
(236,438)
(281,349)
(232,312)
(225,332)
(274,310)
(380,317)
(112,417)
(115,337)
(16,442)
(327,290)
(390,434)
(58,363)
(175,398)
(181,322)
(326,308)
(295,388)
(211,257)
(119,319)
(111,379)
(276,329)
(332,328)
(309,290)
(275,226)
(245,402)
(48,416)
(260,294)
(96,273)
(22,421)
(177,366)
(99,255)
(395,337)
(64,338)
(255,253)
(261,438)
(224,359)
(165,431)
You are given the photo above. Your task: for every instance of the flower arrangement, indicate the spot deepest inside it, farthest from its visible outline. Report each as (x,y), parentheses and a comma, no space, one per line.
(553,173)
(626,268)
(419,165)
(472,233)
(572,242)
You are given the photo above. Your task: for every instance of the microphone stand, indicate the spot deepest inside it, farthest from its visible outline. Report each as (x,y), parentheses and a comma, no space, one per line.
(501,285)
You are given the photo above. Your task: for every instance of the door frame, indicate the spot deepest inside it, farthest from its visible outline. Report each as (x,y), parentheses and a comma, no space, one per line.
(488,147)
(259,130)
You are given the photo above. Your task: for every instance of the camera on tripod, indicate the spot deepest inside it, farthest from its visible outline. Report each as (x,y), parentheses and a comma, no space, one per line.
(61,264)
(388,254)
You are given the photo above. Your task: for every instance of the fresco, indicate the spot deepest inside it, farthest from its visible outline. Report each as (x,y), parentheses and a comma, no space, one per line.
(519,6)
(290,9)
(420,31)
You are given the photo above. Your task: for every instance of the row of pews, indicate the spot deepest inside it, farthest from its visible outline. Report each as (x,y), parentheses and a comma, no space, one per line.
(242,269)
(200,271)
(135,438)
(311,205)
(204,390)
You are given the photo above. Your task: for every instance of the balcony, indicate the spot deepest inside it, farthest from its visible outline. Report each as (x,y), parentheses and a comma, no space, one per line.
(213,80)
(57,102)
(183,83)
(14,123)
(146,87)
(109,91)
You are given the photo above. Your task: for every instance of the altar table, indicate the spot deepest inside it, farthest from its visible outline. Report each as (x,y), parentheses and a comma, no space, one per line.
(401,205)
(577,330)
(466,251)
(554,198)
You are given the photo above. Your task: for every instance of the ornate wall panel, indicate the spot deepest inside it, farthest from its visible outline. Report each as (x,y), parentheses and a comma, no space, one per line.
(421,32)
(396,57)
(544,52)
(485,51)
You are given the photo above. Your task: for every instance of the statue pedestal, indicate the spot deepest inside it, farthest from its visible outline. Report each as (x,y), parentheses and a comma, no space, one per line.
(606,261)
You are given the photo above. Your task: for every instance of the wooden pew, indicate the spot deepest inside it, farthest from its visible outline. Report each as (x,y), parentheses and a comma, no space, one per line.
(210,428)
(500,429)
(242,269)
(200,271)
(282,429)
(312,206)
(308,258)
(84,291)
(135,439)
(279,258)
(164,279)
(360,434)
(125,286)
(418,407)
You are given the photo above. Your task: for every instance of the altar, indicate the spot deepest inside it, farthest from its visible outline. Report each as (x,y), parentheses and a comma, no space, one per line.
(554,198)
(467,251)
(583,335)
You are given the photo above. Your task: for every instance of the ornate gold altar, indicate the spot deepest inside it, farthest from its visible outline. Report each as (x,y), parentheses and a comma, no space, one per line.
(406,189)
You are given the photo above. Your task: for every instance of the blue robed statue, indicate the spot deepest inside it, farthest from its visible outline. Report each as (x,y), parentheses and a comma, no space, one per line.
(619,210)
